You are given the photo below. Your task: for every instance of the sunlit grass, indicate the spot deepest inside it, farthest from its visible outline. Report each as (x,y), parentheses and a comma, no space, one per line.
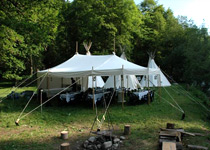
(42,130)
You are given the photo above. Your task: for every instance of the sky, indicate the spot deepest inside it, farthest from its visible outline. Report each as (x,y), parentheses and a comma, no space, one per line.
(197,10)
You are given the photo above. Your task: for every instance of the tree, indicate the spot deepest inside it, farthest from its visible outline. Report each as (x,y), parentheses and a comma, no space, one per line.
(35,23)
(100,22)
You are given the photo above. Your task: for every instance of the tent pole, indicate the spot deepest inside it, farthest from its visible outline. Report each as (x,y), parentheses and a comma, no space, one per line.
(159,85)
(114,44)
(41,99)
(148,90)
(122,85)
(82,85)
(48,84)
(127,85)
(114,82)
(93,89)
(127,81)
(62,82)
(76,47)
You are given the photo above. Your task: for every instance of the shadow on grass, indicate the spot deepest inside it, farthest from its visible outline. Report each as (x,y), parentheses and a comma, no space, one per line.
(135,141)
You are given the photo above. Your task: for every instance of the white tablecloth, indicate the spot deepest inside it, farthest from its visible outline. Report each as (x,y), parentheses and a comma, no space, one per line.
(69,96)
(141,94)
(98,96)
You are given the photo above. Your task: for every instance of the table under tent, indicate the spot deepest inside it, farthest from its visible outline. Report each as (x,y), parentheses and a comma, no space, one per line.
(84,69)
(132,88)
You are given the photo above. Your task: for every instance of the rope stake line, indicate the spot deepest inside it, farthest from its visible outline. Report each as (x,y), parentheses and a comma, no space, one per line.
(35,80)
(187,93)
(170,103)
(173,100)
(48,100)
(16,87)
(100,123)
(32,96)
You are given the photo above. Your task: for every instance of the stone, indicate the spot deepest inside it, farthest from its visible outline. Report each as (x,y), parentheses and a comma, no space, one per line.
(101,139)
(122,138)
(106,145)
(78,148)
(92,139)
(94,147)
(99,146)
(115,146)
(90,147)
(116,140)
(85,144)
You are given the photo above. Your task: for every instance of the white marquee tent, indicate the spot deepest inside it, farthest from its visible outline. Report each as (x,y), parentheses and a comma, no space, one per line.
(94,65)
(130,81)
(154,79)
(97,65)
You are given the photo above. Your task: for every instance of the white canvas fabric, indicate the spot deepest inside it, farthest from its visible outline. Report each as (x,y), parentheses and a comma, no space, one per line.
(97,65)
(86,82)
(154,79)
(130,81)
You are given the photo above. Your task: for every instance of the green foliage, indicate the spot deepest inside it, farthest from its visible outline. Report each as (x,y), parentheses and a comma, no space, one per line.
(41,34)
(12,53)
(200,95)
(100,22)
(26,31)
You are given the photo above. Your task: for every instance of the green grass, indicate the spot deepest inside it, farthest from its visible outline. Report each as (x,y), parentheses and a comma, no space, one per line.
(41,131)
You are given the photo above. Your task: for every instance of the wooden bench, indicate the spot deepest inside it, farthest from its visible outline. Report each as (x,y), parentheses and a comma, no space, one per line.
(169,146)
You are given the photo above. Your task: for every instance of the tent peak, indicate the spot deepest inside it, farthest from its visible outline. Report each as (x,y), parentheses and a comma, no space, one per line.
(87,46)
(151,54)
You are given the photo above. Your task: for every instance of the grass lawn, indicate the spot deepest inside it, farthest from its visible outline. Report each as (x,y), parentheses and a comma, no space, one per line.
(42,131)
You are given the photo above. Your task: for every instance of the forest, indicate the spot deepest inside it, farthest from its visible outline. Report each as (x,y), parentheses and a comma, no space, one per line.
(40,34)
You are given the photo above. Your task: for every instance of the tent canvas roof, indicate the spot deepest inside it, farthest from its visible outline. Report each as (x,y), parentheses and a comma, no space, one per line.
(130,81)
(153,79)
(97,65)
(99,82)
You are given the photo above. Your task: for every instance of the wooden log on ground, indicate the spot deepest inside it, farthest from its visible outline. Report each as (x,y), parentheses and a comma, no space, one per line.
(179,145)
(170,135)
(198,134)
(168,146)
(188,133)
(170,126)
(64,135)
(127,129)
(65,146)
(176,129)
(196,147)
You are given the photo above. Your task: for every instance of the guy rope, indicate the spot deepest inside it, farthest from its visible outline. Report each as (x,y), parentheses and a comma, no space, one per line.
(21,117)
